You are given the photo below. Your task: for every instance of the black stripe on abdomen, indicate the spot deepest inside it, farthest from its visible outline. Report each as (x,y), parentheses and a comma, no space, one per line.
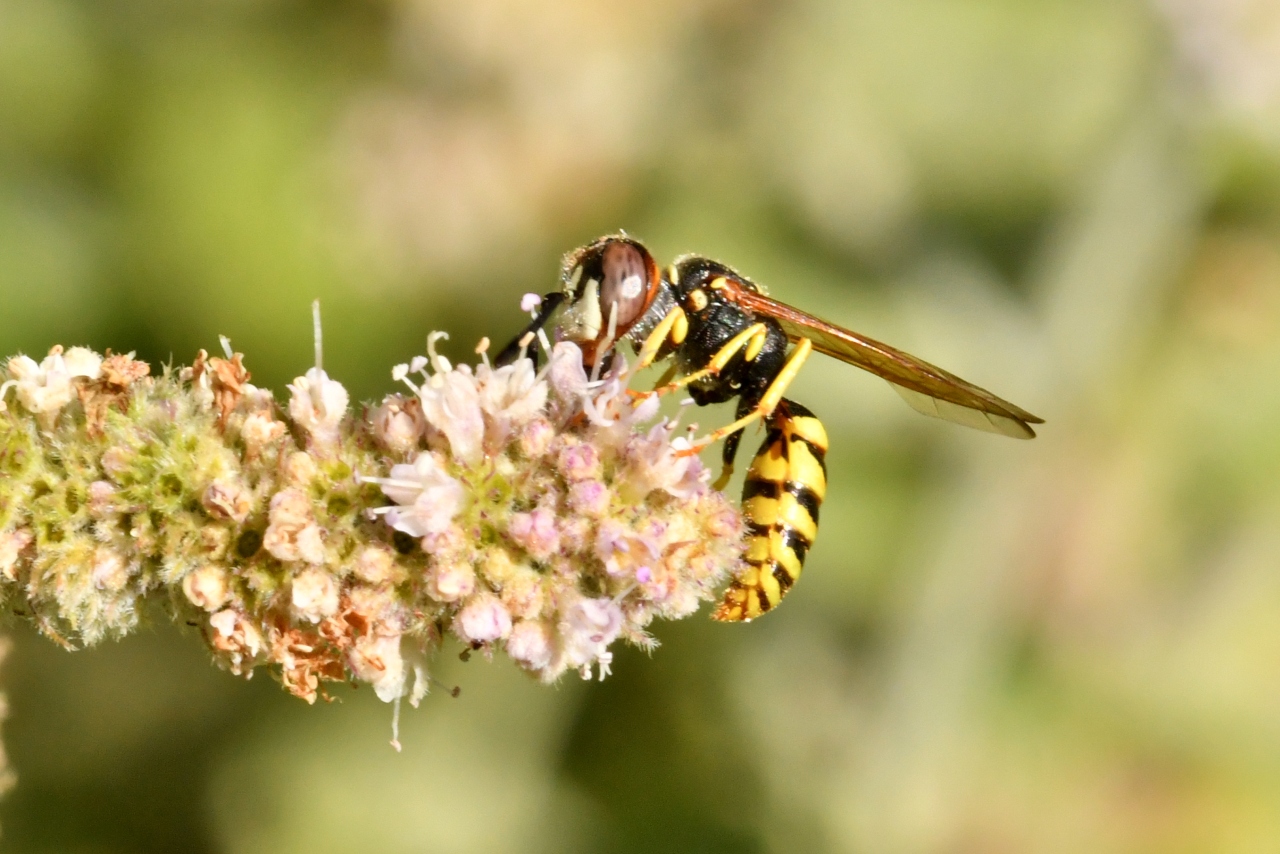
(794,540)
(805,497)
(754,488)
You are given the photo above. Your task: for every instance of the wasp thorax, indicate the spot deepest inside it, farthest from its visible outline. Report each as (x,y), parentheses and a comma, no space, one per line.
(610,284)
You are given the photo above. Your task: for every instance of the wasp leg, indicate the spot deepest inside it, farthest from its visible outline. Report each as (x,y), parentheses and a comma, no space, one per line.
(730,452)
(669,333)
(780,499)
(752,338)
(671,330)
(745,405)
(768,401)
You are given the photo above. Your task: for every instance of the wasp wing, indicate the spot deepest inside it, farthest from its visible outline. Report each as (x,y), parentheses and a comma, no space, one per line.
(927,388)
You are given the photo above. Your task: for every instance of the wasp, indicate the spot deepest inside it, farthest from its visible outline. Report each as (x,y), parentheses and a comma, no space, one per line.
(728,340)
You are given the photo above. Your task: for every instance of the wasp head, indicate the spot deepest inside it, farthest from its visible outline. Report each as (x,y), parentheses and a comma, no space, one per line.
(608,286)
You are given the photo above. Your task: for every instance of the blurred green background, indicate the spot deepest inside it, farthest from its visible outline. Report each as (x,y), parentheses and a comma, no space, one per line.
(1066,645)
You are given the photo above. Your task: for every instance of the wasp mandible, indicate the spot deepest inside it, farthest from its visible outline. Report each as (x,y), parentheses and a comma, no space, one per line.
(729,340)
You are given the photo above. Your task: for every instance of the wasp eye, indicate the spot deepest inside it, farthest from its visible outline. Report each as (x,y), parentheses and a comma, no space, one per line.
(631,287)
(626,271)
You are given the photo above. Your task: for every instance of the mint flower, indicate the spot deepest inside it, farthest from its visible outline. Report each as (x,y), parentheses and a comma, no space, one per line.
(575,494)
(398,424)
(428,497)
(45,388)
(544,515)
(318,405)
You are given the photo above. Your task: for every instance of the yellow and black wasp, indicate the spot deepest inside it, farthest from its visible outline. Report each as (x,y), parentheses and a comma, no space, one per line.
(730,341)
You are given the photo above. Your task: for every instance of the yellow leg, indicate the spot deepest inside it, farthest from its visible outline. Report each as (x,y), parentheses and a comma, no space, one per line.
(674,322)
(752,338)
(768,403)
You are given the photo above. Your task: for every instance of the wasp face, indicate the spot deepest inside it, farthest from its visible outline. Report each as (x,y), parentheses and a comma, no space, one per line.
(609,284)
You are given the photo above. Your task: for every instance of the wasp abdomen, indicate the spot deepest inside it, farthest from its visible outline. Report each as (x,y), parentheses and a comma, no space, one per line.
(780,499)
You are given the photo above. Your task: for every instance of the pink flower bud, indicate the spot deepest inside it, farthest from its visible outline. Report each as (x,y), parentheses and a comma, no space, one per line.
(377,566)
(109,572)
(483,620)
(579,461)
(536,438)
(398,424)
(206,587)
(590,498)
(530,644)
(315,595)
(535,532)
(226,498)
(450,582)
(260,430)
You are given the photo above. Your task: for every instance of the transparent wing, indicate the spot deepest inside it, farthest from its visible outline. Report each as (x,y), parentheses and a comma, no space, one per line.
(927,388)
